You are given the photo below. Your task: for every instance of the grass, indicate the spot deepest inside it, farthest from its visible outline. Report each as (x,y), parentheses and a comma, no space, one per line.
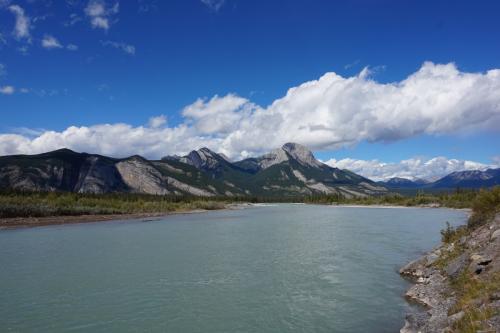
(42,204)
(470,289)
(471,292)
(451,235)
(484,207)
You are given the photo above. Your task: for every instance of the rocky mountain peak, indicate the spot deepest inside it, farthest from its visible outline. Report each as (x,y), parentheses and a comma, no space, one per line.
(399,180)
(276,156)
(301,154)
(203,158)
(206,151)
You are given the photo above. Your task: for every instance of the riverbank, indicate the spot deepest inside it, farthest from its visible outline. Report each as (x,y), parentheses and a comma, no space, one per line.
(398,206)
(27,222)
(458,283)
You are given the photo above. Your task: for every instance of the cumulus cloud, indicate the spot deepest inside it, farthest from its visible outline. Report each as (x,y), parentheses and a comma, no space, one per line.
(110,139)
(23,25)
(7,90)
(127,48)
(219,115)
(101,14)
(323,114)
(50,42)
(413,168)
(72,47)
(156,122)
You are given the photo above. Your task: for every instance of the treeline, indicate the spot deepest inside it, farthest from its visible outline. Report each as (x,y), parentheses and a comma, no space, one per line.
(458,198)
(485,205)
(39,204)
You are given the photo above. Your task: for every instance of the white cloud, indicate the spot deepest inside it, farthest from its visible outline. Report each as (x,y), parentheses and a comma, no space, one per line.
(219,115)
(23,25)
(7,90)
(50,42)
(101,14)
(3,71)
(156,122)
(413,168)
(109,139)
(127,48)
(327,113)
(72,20)
(214,5)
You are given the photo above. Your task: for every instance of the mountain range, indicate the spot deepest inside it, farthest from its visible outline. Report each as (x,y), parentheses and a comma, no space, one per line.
(291,170)
(459,179)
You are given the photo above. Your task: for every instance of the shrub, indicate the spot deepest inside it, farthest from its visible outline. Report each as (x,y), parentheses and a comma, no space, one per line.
(484,207)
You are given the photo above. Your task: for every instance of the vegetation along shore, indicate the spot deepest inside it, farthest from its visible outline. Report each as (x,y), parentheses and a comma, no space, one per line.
(44,208)
(459,282)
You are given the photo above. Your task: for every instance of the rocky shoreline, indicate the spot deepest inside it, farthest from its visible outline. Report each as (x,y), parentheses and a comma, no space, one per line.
(457,284)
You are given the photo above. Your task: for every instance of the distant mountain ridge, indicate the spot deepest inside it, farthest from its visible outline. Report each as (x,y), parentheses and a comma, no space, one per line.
(462,179)
(469,179)
(291,170)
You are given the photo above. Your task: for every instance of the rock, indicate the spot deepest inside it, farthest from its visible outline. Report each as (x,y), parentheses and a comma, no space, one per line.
(495,234)
(495,296)
(480,253)
(455,267)
(414,321)
(494,322)
(431,258)
(414,269)
(301,154)
(480,261)
(475,257)
(457,316)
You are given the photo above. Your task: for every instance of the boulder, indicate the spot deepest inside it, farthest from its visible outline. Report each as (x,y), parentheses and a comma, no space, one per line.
(454,317)
(495,234)
(414,269)
(457,266)
(431,258)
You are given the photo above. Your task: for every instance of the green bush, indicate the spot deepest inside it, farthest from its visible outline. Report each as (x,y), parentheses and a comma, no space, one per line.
(484,207)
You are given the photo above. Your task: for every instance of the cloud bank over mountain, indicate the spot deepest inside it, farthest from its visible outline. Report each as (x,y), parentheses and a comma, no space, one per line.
(413,168)
(327,113)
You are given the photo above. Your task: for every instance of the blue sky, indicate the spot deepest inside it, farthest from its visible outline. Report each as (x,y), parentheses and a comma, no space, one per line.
(87,63)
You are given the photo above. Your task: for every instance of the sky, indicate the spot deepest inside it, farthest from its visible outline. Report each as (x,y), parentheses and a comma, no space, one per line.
(384,88)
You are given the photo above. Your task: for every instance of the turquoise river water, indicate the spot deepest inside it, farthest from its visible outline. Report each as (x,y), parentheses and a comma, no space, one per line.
(270,268)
